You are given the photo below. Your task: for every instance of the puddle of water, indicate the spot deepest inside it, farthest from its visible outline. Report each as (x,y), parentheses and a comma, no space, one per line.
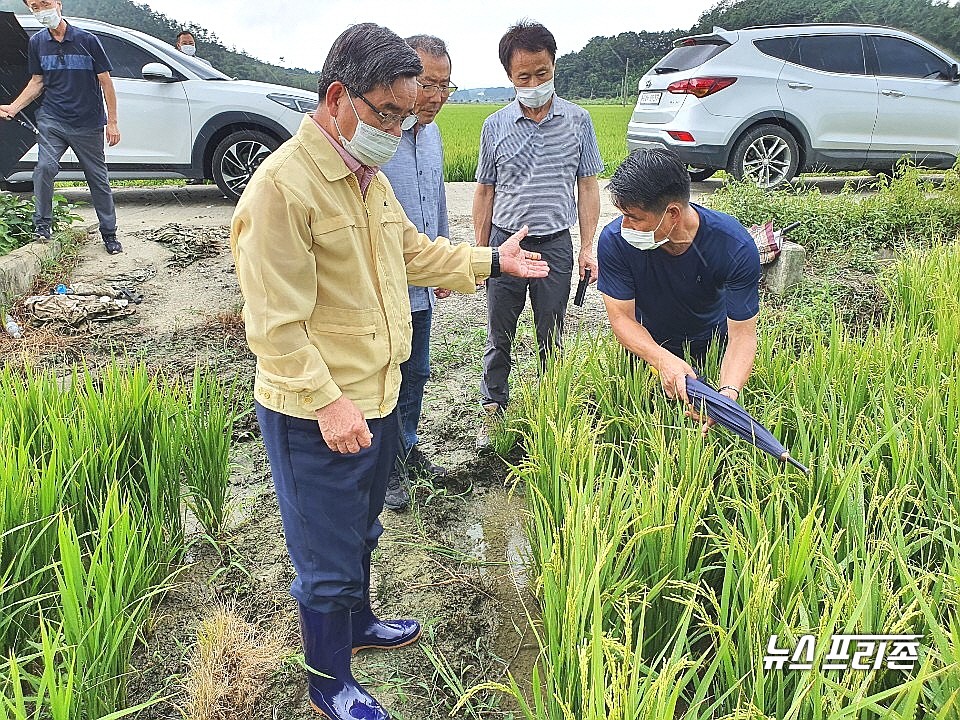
(495,537)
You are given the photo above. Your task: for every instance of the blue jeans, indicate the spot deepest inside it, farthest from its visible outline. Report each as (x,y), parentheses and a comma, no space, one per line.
(330,505)
(87,144)
(414,375)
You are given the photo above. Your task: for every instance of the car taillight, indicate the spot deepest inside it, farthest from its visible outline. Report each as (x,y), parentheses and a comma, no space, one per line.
(680,135)
(700,86)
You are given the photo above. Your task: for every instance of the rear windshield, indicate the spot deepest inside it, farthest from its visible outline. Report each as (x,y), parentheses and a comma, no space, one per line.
(687,57)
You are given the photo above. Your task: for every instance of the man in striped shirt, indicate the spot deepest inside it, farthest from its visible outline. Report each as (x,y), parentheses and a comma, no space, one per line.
(416,175)
(533,154)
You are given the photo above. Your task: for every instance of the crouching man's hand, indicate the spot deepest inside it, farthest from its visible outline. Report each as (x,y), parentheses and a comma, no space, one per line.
(673,372)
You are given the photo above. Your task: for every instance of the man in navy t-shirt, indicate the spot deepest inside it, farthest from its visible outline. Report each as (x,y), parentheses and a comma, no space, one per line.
(69,68)
(677,278)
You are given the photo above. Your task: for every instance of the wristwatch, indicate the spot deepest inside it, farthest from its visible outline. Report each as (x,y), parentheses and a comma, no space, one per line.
(730,387)
(495,262)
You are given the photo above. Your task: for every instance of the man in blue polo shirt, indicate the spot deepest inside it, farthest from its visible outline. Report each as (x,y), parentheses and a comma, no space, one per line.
(69,68)
(676,277)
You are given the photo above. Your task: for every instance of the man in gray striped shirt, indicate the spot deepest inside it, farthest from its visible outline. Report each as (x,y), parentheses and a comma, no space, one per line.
(533,153)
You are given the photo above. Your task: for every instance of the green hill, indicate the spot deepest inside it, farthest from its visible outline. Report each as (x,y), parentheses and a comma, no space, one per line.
(141,17)
(597,71)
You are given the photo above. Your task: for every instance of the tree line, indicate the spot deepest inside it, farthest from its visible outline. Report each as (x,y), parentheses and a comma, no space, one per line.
(608,67)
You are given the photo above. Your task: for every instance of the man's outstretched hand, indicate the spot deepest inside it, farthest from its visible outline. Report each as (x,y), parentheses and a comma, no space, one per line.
(514,260)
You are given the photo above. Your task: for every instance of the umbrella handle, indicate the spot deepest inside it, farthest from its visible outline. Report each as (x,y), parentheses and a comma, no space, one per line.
(25,123)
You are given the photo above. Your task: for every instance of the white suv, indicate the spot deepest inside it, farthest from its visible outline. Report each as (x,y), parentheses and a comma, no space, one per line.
(766,103)
(180,117)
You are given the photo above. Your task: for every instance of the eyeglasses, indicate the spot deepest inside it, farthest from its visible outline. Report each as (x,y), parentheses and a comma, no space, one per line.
(388,121)
(431,90)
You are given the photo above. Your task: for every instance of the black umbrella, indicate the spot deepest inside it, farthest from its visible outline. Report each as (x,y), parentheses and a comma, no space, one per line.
(15,137)
(732,416)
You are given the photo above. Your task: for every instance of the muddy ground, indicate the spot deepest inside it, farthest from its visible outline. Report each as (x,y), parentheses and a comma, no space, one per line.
(455,560)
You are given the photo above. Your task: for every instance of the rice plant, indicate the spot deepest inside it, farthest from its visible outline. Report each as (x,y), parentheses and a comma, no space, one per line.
(665,563)
(92,508)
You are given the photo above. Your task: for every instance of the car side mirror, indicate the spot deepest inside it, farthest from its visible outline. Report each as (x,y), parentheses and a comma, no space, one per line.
(953,73)
(157,72)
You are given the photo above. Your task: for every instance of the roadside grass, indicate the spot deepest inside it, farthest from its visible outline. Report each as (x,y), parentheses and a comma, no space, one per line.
(16,219)
(904,207)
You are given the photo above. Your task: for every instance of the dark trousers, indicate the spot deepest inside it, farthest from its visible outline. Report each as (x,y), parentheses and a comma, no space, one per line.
(87,145)
(506,296)
(329,504)
(414,374)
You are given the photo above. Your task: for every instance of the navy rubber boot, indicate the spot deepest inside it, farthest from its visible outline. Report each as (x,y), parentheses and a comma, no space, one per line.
(372,633)
(334,692)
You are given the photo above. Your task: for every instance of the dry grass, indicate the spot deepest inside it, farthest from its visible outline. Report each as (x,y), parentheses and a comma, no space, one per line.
(39,342)
(228,323)
(229,668)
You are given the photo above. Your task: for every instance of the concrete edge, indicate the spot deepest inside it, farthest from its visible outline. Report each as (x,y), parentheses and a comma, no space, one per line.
(20,268)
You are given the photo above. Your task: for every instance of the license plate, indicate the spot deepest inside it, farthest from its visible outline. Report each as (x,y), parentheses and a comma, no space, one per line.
(649,98)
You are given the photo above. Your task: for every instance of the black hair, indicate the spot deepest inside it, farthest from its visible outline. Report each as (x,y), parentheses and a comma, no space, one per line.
(528,36)
(366,56)
(649,180)
(185,32)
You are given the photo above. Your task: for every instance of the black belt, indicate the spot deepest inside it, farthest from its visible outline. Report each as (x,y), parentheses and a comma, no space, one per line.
(537,239)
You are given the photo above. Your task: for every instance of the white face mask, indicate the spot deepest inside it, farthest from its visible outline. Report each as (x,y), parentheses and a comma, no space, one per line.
(535,97)
(371,146)
(644,239)
(188,50)
(50,18)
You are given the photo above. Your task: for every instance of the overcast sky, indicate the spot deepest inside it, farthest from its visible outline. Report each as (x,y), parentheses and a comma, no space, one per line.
(298,34)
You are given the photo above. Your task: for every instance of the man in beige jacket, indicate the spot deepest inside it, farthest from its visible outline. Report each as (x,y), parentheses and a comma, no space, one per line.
(324,254)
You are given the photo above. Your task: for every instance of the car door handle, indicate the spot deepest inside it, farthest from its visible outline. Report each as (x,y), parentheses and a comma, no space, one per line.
(892,93)
(799,86)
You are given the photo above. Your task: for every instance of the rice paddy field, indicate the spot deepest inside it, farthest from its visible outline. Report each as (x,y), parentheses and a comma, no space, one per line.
(97,473)
(664,563)
(460,126)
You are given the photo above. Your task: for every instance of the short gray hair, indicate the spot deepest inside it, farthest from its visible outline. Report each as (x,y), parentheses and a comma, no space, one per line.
(366,56)
(431,45)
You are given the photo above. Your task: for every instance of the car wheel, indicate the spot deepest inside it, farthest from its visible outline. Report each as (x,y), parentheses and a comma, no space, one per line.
(698,174)
(237,157)
(766,155)
(24,186)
